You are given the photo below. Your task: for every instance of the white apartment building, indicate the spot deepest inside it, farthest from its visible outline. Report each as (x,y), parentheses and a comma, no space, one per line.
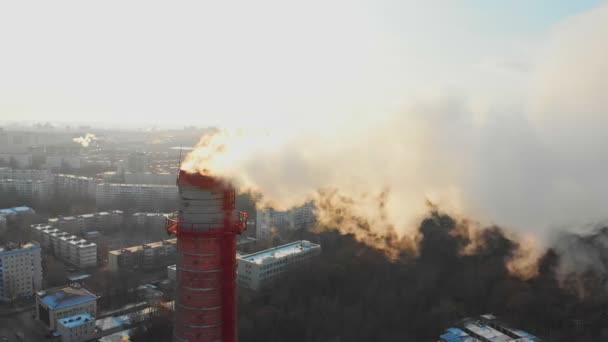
(32,189)
(77,328)
(75,185)
(9,173)
(270,222)
(258,269)
(81,224)
(67,247)
(20,270)
(61,302)
(143,195)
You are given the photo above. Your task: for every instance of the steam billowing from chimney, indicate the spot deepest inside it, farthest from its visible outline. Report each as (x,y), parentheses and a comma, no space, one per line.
(86,140)
(536,166)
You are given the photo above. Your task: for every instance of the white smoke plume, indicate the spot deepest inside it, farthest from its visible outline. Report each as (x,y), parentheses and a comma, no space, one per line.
(86,140)
(536,166)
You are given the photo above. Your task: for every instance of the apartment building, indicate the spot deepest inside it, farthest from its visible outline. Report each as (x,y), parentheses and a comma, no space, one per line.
(65,246)
(143,196)
(25,174)
(36,190)
(147,256)
(75,185)
(20,270)
(270,222)
(258,269)
(81,224)
(163,178)
(149,221)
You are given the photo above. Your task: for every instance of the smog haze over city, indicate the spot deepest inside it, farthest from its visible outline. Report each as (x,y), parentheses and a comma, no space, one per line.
(304,171)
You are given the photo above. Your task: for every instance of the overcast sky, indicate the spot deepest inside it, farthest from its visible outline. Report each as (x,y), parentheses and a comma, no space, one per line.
(244,63)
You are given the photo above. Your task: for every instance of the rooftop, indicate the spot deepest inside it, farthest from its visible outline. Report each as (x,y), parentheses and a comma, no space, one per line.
(15,211)
(76,320)
(13,248)
(62,297)
(280,251)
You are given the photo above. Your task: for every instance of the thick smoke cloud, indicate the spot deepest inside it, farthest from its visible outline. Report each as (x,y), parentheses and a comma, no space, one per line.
(535,166)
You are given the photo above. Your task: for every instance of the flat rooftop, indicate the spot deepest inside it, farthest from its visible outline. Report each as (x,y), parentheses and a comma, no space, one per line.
(76,320)
(280,251)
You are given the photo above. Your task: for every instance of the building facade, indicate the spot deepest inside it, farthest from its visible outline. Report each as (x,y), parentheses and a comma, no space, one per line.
(20,270)
(61,302)
(149,178)
(35,190)
(25,174)
(149,221)
(258,269)
(77,186)
(142,196)
(77,328)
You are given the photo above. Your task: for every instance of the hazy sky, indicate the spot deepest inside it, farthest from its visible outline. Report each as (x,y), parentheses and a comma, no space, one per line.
(250,62)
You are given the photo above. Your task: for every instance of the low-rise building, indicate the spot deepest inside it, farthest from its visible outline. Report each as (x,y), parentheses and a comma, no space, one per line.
(147,256)
(257,269)
(485,328)
(20,270)
(9,215)
(65,301)
(77,328)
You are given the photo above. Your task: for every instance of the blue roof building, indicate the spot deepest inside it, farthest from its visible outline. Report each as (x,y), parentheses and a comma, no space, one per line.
(55,304)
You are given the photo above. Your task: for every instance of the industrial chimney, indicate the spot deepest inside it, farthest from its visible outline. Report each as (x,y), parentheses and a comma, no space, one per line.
(206,227)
